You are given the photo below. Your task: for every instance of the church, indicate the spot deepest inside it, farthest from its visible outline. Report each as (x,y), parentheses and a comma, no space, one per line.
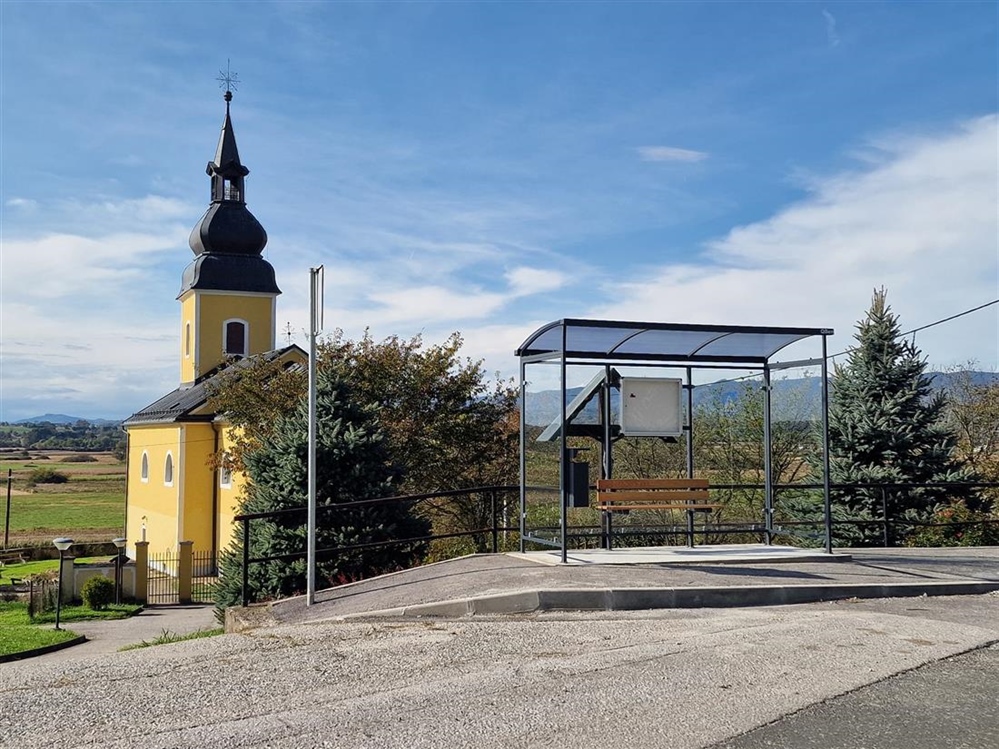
(228,297)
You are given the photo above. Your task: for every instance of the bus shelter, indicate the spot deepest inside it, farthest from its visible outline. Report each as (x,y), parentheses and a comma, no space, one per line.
(659,409)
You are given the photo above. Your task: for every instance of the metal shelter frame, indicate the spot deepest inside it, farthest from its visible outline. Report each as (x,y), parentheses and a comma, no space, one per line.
(673,345)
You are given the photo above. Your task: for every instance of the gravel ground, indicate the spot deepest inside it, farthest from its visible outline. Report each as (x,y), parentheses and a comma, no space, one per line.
(688,678)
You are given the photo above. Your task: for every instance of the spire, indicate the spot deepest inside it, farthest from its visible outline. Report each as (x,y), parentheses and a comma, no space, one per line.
(228,240)
(228,226)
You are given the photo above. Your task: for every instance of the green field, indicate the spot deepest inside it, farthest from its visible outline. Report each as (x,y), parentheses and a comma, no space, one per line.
(90,506)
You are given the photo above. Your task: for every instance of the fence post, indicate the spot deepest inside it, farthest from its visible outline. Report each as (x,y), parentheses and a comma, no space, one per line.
(185,569)
(884,516)
(492,497)
(246,562)
(141,571)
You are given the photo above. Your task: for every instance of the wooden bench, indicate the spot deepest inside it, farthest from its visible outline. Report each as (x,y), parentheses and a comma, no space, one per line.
(12,556)
(625,495)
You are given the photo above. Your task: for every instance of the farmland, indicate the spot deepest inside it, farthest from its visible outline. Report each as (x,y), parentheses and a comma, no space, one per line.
(89,505)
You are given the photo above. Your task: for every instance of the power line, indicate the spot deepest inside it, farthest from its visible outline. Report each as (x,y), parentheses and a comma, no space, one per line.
(908,332)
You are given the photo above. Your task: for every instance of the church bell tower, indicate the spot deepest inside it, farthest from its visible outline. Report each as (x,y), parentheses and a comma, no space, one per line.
(228,292)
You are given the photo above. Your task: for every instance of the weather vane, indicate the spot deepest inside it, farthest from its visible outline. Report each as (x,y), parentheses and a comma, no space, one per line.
(228,78)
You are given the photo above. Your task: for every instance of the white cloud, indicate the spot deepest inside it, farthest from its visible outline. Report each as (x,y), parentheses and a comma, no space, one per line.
(832,36)
(921,220)
(669,153)
(525,281)
(22,203)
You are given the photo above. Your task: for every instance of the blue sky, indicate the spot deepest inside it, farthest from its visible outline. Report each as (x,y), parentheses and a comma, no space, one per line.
(488,167)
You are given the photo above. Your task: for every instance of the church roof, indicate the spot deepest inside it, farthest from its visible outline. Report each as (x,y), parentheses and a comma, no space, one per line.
(186,404)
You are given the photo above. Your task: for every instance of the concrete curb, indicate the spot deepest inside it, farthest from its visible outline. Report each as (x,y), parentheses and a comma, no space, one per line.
(20,656)
(634,599)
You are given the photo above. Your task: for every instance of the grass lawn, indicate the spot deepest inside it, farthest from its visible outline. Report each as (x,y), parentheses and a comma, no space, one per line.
(90,506)
(19,633)
(26,569)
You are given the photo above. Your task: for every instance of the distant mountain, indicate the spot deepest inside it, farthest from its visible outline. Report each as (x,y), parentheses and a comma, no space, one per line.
(792,397)
(64,419)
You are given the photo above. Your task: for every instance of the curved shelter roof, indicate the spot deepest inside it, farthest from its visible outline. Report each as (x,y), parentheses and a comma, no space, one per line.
(650,341)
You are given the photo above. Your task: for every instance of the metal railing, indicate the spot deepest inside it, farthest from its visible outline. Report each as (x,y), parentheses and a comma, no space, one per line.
(586,534)
(492,531)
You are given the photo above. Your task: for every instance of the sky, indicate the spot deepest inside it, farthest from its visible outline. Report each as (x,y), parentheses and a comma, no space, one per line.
(489,167)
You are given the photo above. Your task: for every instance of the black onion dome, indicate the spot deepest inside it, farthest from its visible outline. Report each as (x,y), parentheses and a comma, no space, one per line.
(229,228)
(228,240)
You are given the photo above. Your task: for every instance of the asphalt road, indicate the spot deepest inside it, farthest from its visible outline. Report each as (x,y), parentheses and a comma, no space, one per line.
(680,678)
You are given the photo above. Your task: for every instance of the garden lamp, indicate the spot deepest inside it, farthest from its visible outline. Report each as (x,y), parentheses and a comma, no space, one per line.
(120,545)
(63,545)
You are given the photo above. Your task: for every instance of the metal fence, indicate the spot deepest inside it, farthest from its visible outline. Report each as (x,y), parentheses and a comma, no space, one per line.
(171,581)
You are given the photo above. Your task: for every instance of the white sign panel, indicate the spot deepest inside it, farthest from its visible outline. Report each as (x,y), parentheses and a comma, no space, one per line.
(651,407)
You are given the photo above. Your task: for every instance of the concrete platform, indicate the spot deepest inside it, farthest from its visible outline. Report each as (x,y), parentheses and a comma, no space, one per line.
(678,555)
(504,584)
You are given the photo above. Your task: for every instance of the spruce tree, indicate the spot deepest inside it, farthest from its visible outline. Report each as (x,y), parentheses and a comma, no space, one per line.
(352,464)
(886,426)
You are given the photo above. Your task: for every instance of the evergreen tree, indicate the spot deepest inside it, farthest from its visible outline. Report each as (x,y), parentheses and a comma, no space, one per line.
(352,465)
(886,427)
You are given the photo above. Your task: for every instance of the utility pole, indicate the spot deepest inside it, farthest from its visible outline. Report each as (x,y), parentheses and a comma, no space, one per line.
(316,281)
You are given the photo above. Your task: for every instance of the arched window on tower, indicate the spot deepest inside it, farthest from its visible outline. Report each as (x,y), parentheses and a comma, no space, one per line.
(237,336)
(187,339)
(144,471)
(168,470)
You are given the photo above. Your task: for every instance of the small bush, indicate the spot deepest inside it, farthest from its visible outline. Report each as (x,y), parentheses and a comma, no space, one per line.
(98,592)
(963,527)
(46,476)
(79,459)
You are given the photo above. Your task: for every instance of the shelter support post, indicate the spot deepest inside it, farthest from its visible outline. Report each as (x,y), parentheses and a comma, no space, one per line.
(563,471)
(523,456)
(826,499)
(768,481)
(690,449)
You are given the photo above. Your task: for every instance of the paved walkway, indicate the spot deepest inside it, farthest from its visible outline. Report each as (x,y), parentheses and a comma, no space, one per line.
(502,583)
(110,636)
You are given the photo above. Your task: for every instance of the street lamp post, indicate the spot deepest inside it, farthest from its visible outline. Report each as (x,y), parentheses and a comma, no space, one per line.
(63,545)
(120,545)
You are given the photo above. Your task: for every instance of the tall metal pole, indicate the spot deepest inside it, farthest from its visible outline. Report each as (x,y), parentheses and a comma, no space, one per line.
(827,501)
(315,326)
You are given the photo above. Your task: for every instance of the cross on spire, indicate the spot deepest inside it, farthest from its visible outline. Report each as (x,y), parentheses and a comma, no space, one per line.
(228,78)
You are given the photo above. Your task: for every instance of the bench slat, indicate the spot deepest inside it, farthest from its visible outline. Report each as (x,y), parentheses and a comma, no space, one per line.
(653,496)
(651,506)
(661,484)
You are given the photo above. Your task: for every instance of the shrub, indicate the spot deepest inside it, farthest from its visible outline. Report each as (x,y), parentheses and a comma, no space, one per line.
(98,592)
(46,476)
(964,527)
(79,459)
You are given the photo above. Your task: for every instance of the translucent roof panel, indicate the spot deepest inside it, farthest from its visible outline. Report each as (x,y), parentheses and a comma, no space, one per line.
(675,342)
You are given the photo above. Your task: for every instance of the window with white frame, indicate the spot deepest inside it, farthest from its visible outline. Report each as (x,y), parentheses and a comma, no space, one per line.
(236,337)
(144,467)
(225,473)
(168,470)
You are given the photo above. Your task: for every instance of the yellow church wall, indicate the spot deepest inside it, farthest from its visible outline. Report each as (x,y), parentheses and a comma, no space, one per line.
(153,502)
(230,494)
(206,313)
(199,478)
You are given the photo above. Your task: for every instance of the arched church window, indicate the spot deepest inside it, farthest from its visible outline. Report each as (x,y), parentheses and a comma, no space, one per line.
(144,470)
(236,337)
(187,339)
(168,470)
